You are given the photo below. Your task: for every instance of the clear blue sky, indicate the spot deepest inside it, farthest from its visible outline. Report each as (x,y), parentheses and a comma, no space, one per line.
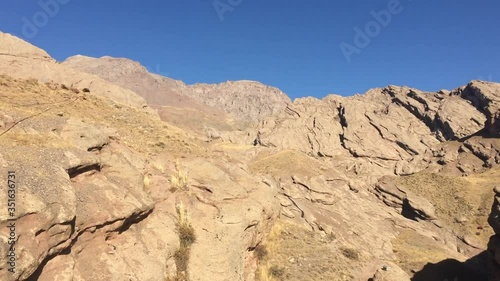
(290,44)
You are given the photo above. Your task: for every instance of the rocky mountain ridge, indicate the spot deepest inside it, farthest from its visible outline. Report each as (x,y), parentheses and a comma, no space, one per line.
(394,184)
(245,100)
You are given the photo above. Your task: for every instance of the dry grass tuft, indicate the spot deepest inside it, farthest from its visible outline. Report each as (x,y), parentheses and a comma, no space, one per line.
(159,166)
(146,182)
(271,272)
(179,179)
(268,269)
(185,230)
(276,271)
(260,252)
(187,237)
(182,259)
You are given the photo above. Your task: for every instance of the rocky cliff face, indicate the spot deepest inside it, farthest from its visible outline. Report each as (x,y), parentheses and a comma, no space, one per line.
(390,185)
(366,141)
(399,128)
(485,97)
(248,100)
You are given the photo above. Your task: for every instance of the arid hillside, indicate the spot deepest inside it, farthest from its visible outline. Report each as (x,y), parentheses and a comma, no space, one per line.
(226,106)
(121,174)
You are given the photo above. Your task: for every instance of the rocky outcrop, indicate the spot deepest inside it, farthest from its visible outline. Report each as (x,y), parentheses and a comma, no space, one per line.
(494,244)
(360,140)
(246,100)
(369,126)
(411,206)
(66,195)
(440,112)
(486,97)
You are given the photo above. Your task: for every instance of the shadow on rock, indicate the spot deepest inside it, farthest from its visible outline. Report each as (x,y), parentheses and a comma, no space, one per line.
(474,269)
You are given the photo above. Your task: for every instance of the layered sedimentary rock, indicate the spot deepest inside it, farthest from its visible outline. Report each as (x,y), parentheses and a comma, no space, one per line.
(399,128)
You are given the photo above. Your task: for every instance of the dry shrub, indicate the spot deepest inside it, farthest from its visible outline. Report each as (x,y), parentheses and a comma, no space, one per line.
(179,179)
(260,252)
(186,238)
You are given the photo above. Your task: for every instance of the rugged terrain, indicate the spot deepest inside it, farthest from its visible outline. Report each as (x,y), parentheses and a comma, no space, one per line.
(128,175)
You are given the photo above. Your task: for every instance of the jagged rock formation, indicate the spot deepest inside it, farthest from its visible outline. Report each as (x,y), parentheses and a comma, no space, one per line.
(369,127)
(356,141)
(485,97)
